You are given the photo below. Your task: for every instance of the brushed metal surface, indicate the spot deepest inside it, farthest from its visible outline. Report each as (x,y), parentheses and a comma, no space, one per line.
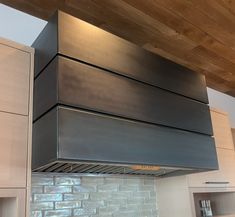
(87,136)
(76,84)
(45,140)
(45,52)
(100,99)
(80,40)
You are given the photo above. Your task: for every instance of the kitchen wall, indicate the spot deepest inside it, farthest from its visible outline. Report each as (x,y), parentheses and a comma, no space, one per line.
(72,195)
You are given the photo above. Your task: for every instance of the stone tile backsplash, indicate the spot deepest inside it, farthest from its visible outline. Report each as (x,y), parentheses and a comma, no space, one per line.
(76,196)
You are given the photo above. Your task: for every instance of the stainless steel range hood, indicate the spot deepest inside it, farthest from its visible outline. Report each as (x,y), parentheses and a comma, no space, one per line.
(105,106)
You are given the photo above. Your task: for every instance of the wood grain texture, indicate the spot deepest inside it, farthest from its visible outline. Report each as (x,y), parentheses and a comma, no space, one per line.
(13,146)
(118,140)
(14,82)
(72,83)
(226,159)
(17,65)
(30,133)
(222,130)
(196,33)
(225,151)
(233,134)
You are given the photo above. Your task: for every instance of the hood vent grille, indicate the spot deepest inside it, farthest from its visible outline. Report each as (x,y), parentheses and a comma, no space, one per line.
(91,168)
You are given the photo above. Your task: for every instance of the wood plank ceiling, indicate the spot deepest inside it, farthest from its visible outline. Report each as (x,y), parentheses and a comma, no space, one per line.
(199,34)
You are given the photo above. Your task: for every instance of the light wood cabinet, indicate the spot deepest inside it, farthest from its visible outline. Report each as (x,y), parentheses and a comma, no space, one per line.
(13,146)
(223,177)
(233,133)
(222,129)
(14,82)
(16,87)
(183,193)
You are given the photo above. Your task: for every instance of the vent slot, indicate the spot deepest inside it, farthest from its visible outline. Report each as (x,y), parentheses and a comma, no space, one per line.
(91,168)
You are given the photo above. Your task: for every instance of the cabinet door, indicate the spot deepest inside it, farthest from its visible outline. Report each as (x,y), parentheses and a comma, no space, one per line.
(224,177)
(14,80)
(13,150)
(227,165)
(222,130)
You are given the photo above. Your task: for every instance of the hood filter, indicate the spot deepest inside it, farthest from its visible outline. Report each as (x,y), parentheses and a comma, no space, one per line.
(93,168)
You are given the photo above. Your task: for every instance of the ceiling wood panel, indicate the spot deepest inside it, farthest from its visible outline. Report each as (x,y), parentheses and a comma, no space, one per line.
(199,34)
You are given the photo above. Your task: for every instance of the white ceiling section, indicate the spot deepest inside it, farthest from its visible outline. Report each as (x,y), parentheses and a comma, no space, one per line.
(19,26)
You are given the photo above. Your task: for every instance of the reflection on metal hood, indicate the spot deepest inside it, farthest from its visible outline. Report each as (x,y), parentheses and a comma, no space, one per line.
(105,106)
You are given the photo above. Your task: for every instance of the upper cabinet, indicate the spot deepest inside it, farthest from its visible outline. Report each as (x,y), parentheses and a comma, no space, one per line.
(14,82)
(218,185)
(225,176)
(222,129)
(13,150)
(16,88)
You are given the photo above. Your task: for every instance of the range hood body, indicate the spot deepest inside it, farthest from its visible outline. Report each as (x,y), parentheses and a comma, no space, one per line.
(81,41)
(104,105)
(72,83)
(90,137)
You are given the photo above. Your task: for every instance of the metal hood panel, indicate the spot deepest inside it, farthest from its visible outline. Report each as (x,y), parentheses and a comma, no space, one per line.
(70,135)
(71,83)
(105,106)
(74,38)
